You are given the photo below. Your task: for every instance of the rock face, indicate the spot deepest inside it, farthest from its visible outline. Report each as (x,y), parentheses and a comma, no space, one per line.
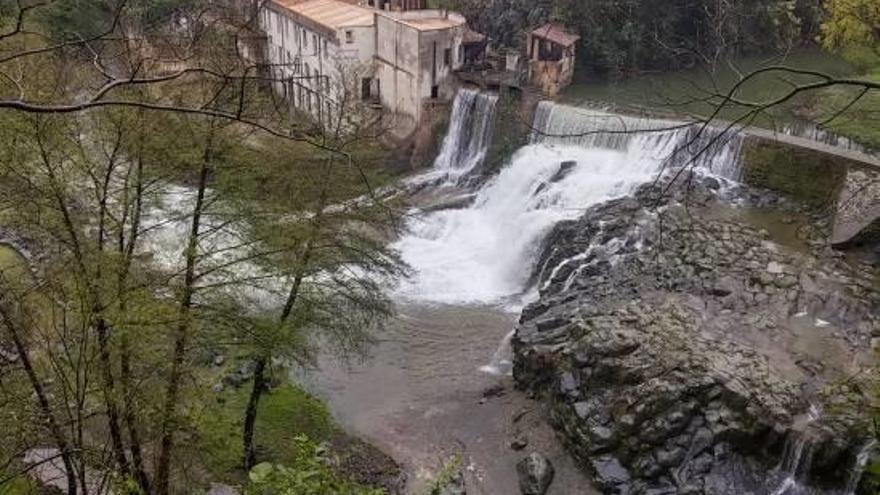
(681,351)
(535,474)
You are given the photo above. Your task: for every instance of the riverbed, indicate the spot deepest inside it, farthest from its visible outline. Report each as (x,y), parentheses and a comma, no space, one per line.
(422,398)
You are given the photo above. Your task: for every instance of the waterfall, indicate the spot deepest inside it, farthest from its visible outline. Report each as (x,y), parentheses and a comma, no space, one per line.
(708,148)
(797,454)
(485,253)
(858,469)
(469,134)
(501,363)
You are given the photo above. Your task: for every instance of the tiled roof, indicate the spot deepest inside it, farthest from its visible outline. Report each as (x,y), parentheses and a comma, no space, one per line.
(557,34)
(332,14)
(471,36)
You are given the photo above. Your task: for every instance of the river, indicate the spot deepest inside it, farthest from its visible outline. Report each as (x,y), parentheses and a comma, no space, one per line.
(424,394)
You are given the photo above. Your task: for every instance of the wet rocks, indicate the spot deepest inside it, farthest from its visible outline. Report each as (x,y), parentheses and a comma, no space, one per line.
(535,474)
(663,340)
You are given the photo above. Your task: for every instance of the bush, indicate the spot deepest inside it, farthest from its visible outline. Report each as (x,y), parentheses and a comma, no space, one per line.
(309,474)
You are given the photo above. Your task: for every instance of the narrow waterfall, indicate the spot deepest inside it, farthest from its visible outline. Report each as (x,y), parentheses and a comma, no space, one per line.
(797,454)
(485,253)
(858,469)
(469,134)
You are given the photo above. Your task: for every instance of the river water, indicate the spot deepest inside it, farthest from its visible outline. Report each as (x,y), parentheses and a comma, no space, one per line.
(420,395)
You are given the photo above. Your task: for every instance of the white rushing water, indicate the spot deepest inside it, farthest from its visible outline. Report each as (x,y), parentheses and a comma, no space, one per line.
(858,469)
(469,134)
(797,455)
(485,253)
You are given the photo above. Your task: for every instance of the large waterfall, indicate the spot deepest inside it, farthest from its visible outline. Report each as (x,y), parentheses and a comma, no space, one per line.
(470,131)
(485,253)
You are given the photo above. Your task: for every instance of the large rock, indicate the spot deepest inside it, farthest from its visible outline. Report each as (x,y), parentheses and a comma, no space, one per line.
(680,352)
(535,474)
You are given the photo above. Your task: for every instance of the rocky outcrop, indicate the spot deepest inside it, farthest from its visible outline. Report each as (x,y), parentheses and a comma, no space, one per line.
(682,350)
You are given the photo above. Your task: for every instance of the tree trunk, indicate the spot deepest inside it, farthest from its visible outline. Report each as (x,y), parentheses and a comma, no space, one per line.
(42,398)
(250,415)
(169,413)
(259,385)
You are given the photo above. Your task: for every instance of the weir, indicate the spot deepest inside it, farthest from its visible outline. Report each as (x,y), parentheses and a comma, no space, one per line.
(704,147)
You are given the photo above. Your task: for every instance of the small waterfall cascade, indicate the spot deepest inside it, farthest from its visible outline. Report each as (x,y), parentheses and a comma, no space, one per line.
(797,454)
(858,469)
(708,148)
(469,134)
(484,254)
(808,130)
(501,363)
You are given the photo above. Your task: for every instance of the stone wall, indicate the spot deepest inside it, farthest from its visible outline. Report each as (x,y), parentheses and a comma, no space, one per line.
(847,189)
(858,208)
(805,175)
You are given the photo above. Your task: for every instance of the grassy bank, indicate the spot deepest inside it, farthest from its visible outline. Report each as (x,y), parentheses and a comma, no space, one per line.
(286,413)
(684,93)
(295,430)
(860,121)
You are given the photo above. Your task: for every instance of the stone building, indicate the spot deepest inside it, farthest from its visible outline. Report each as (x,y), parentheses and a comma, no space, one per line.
(416,54)
(313,45)
(330,50)
(551,54)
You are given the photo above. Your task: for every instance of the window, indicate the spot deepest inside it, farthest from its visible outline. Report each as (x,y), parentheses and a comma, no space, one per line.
(325,47)
(447,57)
(315,43)
(305,39)
(366,84)
(435,92)
(349,37)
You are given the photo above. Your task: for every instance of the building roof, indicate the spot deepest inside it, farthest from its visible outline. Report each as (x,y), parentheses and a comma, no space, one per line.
(332,14)
(557,34)
(471,36)
(426,19)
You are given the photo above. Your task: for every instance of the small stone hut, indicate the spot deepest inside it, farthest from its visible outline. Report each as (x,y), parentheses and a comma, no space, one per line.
(551,52)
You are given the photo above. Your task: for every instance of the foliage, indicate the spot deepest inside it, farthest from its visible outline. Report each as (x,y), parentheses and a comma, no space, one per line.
(852,27)
(448,474)
(75,19)
(621,37)
(860,121)
(286,413)
(309,474)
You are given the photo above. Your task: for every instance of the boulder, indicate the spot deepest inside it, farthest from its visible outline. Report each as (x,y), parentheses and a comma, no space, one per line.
(535,474)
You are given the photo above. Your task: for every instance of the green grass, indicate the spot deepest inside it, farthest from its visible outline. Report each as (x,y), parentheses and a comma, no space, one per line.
(679,92)
(285,413)
(17,486)
(861,121)
(11,262)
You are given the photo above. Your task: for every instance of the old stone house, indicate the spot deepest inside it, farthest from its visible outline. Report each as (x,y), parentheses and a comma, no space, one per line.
(326,50)
(551,53)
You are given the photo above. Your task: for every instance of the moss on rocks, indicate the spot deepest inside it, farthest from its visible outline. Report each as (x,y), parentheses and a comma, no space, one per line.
(807,176)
